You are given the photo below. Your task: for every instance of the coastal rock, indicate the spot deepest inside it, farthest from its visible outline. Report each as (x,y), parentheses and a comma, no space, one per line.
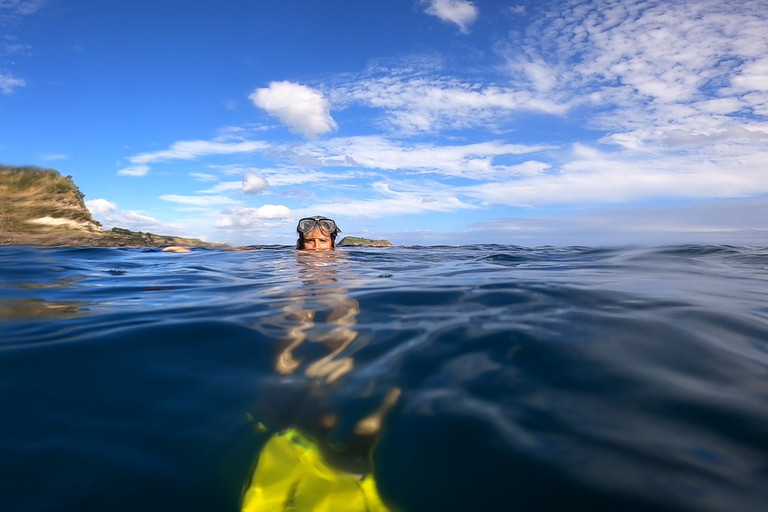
(363,242)
(41,207)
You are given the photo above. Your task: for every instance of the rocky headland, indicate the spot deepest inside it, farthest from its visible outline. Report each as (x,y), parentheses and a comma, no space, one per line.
(40,207)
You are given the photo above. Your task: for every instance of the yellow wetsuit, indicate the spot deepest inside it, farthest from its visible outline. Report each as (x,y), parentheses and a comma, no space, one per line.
(291,476)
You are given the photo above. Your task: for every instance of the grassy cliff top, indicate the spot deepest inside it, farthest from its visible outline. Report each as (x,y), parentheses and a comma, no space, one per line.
(42,207)
(37,201)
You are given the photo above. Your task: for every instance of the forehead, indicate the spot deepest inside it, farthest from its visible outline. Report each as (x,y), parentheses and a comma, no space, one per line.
(316,233)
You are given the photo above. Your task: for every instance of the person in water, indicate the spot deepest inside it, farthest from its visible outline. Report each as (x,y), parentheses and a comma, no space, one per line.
(317,234)
(309,462)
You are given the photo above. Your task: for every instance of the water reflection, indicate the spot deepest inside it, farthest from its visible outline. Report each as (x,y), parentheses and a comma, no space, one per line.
(315,329)
(39,308)
(322,463)
(321,295)
(68,282)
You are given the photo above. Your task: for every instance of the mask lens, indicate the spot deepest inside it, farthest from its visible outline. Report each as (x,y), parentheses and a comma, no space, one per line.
(326,226)
(306,225)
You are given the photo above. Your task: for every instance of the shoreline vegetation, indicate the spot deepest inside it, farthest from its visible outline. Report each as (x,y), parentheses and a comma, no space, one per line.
(40,207)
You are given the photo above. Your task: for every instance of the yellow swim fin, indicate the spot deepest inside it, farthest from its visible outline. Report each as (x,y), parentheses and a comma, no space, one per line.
(291,476)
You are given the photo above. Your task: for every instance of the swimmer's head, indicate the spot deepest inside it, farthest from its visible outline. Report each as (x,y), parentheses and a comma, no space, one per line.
(316,234)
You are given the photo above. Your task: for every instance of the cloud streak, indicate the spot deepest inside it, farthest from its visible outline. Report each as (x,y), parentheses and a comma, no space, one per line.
(413,104)
(253,218)
(134,170)
(215,200)
(473,161)
(388,201)
(190,150)
(21,7)
(9,83)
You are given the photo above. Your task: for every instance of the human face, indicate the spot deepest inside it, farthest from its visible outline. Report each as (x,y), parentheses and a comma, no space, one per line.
(316,240)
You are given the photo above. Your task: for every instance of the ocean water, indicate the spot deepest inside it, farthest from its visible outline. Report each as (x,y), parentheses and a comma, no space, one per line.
(490,377)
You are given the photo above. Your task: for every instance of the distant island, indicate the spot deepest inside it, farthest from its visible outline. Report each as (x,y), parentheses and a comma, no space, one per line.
(366,242)
(40,207)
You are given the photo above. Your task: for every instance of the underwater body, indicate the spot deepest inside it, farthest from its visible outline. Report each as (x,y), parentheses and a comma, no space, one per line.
(482,377)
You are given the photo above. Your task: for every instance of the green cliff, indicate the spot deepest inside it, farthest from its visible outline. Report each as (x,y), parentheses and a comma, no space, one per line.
(43,208)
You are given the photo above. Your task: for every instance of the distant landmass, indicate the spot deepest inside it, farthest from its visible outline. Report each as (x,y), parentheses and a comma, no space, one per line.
(357,241)
(40,207)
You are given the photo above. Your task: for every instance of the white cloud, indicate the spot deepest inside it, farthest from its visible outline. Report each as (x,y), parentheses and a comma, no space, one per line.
(189,150)
(413,103)
(224,186)
(473,161)
(460,12)
(753,76)
(52,157)
(678,137)
(405,200)
(288,174)
(273,211)
(110,215)
(228,169)
(9,83)
(12,48)
(22,7)
(254,184)
(100,206)
(649,67)
(251,183)
(199,200)
(297,176)
(365,157)
(136,221)
(593,177)
(134,170)
(303,110)
(253,217)
(201,176)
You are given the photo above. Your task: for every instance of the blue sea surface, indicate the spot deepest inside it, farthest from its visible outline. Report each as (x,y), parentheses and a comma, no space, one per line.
(501,377)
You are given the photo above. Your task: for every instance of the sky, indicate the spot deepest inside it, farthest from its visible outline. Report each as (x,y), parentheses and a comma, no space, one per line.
(564,122)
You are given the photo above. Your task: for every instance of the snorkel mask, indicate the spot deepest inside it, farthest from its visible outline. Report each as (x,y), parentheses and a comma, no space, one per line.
(324,224)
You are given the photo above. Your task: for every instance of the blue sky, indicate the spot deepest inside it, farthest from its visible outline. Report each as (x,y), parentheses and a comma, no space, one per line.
(425,122)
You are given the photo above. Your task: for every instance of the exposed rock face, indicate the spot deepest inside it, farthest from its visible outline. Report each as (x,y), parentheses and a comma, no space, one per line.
(39,201)
(366,242)
(42,207)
